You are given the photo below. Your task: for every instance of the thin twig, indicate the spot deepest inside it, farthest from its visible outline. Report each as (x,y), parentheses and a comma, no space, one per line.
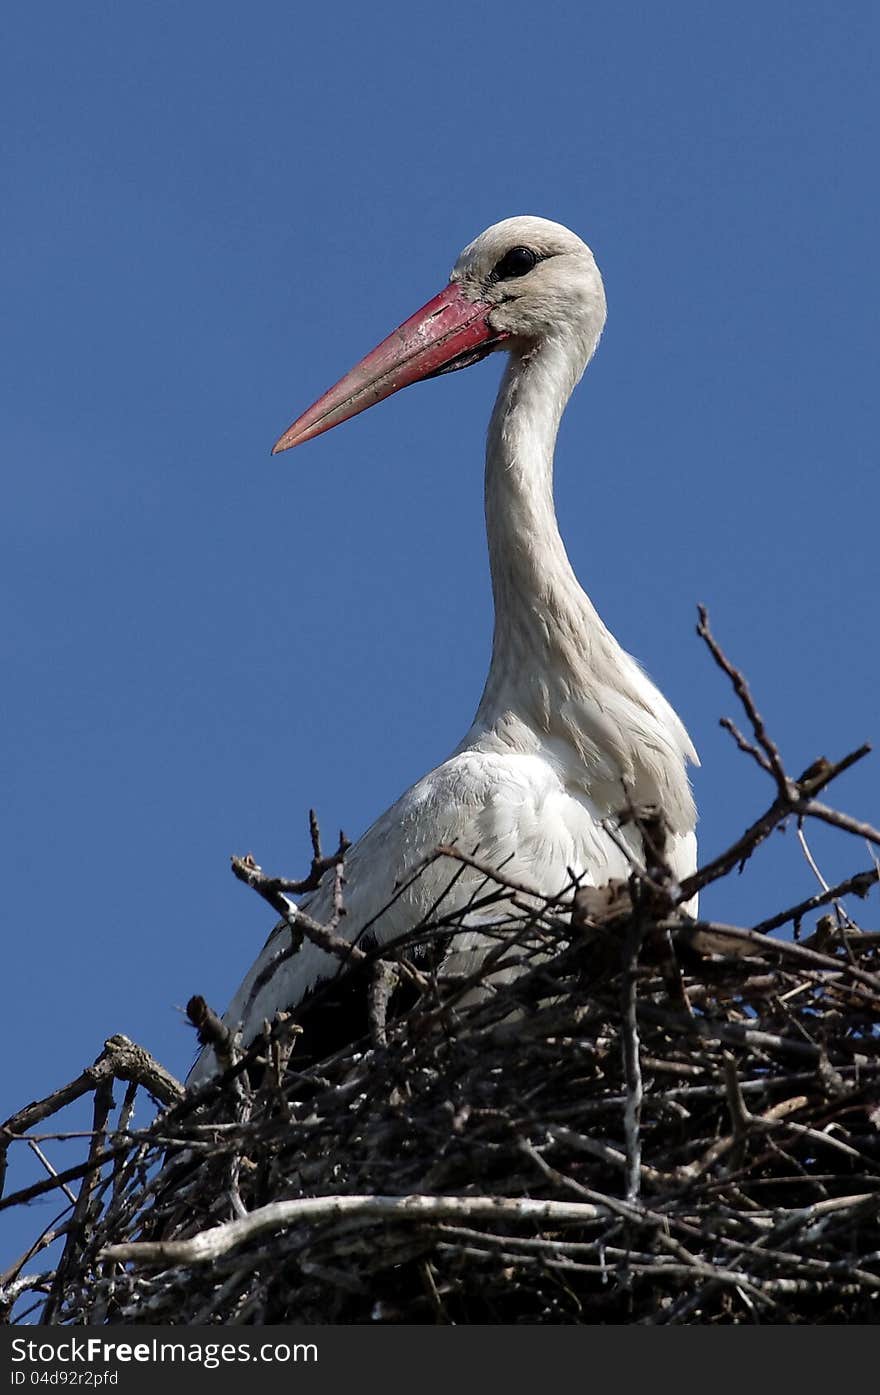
(857,885)
(772,761)
(632,1069)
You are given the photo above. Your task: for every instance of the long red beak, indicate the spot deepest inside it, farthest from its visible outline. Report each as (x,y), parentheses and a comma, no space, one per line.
(449,332)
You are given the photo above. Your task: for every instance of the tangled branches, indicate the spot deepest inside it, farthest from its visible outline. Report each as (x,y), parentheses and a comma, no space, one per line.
(651,1119)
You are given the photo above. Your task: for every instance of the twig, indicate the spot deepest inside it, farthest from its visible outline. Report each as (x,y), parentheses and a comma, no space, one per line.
(493,874)
(632,1069)
(711,936)
(299,921)
(320,864)
(813,809)
(79,1221)
(772,761)
(797,799)
(858,885)
(52,1171)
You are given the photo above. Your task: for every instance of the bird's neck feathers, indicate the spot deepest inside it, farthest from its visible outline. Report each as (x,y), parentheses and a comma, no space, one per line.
(533,583)
(544,622)
(557,674)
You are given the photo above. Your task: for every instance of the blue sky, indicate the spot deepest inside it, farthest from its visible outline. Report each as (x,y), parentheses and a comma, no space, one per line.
(210,212)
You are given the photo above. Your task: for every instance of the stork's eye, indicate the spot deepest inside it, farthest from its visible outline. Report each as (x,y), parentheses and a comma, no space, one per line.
(516,262)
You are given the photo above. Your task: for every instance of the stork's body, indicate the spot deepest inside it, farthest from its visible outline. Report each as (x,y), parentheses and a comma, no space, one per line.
(569,729)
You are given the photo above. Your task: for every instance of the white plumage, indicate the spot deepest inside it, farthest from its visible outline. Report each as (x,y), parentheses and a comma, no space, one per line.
(569,729)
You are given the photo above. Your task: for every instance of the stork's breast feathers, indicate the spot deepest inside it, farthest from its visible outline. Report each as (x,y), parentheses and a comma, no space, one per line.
(519,811)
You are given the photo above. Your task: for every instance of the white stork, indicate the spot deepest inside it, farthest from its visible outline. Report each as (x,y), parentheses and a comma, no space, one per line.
(569,728)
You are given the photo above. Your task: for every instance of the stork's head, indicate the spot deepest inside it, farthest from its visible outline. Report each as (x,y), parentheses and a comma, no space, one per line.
(522,281)
(539,279)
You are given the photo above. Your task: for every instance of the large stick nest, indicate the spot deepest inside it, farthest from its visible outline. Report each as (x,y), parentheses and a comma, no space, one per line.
(652,1119)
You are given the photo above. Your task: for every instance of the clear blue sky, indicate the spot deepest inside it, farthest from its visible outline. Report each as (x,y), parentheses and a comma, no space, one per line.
(209,212)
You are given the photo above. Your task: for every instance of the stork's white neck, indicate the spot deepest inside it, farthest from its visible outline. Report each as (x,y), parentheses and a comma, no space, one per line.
(543,619)
(559,682)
